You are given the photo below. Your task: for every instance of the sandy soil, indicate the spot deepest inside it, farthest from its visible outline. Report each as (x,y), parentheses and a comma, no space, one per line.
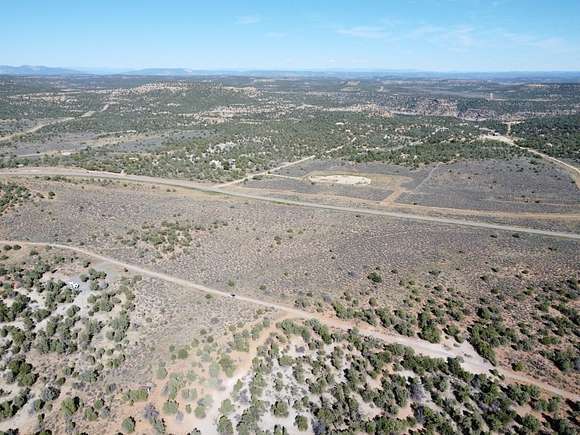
(350,180)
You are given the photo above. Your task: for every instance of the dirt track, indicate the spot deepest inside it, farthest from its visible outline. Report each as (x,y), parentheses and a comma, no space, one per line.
(258,174)
(46,124)
(241,194)
(472,361)
(34,129)
(276,169)
(571,169)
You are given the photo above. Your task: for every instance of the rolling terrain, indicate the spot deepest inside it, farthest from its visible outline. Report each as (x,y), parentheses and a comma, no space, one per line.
(249,254)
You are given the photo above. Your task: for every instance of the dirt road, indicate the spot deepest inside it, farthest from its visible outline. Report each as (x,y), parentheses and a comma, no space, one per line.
(33,129)
(276,169)
(240,194)
(472,361)
(46,124)
(259,174)
(420,346)
(571,169)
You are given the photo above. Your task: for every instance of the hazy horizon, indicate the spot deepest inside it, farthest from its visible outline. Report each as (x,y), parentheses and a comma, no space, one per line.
(114,70)
(416,35)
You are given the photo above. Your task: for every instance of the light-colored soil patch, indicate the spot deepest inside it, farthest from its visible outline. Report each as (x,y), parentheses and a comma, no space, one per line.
(350,180)
(393,183)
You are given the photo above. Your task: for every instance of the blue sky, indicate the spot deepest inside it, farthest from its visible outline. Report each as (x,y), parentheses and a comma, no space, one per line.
(436,35)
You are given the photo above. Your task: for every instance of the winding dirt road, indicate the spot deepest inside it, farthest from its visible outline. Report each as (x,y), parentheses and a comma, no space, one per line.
(66,172)
(471,360)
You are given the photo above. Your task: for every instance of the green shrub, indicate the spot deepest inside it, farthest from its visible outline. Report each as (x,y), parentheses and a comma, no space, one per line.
(301,423)
(70,406)
(280,409)
(90,414)
(226,407)
(137,395)
(225,426)
(200,411)
(161,373)
(170,407)
(128,425)
(375,277)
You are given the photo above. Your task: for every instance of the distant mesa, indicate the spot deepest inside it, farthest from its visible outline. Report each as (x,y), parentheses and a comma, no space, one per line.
(517,76)
(32,70)
(163,72)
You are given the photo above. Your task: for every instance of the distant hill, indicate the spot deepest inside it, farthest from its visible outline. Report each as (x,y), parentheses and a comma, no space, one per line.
(508,76)
(164,72)
(32,70)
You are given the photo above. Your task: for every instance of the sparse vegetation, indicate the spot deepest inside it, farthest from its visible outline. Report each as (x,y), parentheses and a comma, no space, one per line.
(86,344)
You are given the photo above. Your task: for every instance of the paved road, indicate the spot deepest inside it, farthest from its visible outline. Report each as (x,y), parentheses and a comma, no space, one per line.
(240,194)
(472,361)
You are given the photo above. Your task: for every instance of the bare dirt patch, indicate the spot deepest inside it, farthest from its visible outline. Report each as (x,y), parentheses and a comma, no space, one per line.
(350,180)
